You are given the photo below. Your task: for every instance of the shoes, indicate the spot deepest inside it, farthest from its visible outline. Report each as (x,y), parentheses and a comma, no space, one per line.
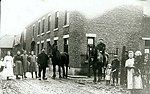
(39,78)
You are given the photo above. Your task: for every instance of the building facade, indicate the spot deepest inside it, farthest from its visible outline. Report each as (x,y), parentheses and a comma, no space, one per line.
(73,32)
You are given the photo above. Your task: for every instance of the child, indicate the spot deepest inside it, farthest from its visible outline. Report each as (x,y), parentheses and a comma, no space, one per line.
(108,74)
(115,69)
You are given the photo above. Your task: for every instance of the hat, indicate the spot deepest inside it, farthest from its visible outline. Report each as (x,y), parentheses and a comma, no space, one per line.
(101,39)
(138,53)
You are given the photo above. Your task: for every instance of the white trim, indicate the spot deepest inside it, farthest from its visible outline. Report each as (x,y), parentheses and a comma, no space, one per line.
(55,29)
(48,32)
(48,40)
(42,41)
(56,38)
(49,14)
(42,34)
(33,25)
(66,26)
(66,36)
(146,38)
(90,35)
(39,21)
(38,42)
(43,18)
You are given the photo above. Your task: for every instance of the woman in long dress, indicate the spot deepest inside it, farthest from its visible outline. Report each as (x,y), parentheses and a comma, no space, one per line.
(33,64)
(18,65)
(8,70)
(131,79)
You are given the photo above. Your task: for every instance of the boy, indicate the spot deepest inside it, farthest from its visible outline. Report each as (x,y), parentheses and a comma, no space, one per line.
(115,69)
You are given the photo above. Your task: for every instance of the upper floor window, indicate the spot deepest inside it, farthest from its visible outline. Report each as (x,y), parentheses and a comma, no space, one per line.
(49,22)
(43,26)
(147,42)
(66,18)
(33,30)
(39,27)
(56,19)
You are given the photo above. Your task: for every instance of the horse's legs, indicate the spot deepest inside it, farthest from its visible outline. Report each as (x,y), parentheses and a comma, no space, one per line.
(99,74)
(63,70)
(94,70)
(59,69)
(66,70)
(54,70)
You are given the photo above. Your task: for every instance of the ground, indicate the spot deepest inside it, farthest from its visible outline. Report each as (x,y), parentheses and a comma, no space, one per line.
(72,85)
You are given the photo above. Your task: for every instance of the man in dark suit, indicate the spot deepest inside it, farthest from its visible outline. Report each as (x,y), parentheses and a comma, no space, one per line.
(43,63)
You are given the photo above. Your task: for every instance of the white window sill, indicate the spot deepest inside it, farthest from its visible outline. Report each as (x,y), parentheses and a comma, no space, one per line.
(42,34)
(55,29)
(38,35)
(48,32)
(66,26)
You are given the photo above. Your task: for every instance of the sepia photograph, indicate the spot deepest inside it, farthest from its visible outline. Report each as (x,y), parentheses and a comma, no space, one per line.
(74,46)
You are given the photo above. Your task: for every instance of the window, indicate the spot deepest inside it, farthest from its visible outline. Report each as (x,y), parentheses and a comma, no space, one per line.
(42,45)
(49,22)
(38,48)
(66,45)
(147,42)
(39,28)
(43,26)
(56,19)
(33,29)
(66,18)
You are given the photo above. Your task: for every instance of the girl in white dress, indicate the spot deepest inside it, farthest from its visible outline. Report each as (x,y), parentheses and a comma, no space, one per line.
(8,70)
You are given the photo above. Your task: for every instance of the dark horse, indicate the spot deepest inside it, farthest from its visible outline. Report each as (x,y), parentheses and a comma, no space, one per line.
(98,64)
(60,59)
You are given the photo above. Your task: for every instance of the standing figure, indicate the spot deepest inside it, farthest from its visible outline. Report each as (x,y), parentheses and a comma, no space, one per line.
(43,63)
(18,65)
(115,69)
(102,47)
(132,80)
(8,70)
(108,74)
(25,63)
(33,64)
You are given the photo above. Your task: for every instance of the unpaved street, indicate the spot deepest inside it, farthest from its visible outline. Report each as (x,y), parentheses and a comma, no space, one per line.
(58,86)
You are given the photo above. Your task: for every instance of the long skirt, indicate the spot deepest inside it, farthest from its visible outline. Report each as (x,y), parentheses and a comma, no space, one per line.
(18,70)
(8,71)
(33,66)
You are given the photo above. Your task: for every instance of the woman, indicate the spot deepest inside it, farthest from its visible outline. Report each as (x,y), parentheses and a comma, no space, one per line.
(8,70)
(33,64)
(18,65)
(131,80)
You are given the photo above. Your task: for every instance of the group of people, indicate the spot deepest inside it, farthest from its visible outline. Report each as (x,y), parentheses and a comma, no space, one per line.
(20,64)
(133,67)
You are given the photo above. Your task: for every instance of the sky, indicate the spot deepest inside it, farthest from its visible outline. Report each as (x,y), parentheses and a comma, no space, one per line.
(17,14)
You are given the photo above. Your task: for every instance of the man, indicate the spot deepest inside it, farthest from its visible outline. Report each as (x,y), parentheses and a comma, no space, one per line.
(115,69)
(101,47)
(43,63)
(25,63)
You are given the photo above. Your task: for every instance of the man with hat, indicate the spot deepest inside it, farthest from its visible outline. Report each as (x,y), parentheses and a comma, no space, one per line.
(115,69)
(101,47)
(43,63)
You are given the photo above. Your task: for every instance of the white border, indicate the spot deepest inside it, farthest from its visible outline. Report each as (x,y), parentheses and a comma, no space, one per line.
(56,38)
(90,35)
(146,38)
(66,36)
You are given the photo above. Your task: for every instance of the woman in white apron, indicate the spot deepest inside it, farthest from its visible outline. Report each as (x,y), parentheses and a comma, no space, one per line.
(8,70)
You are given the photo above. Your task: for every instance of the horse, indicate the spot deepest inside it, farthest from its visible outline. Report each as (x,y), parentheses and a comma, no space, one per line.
(98,64)
(61,59)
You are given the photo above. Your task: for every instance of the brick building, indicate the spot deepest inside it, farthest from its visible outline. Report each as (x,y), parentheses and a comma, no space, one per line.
(73,32)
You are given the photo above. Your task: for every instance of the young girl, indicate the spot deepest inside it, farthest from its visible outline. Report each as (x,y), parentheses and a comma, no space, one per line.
(108,74)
